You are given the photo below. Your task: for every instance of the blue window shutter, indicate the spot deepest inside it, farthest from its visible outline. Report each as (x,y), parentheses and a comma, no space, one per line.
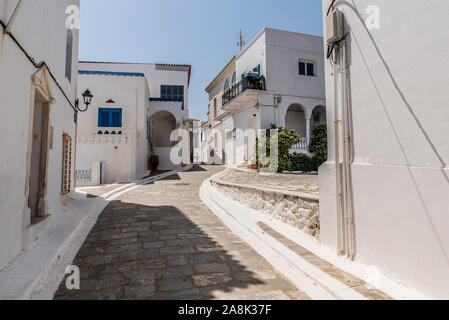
(110,118)
(103,118)
(116,118)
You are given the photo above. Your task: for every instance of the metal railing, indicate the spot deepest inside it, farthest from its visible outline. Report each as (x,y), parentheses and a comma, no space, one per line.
(246,83)
(83,175)
(302,145)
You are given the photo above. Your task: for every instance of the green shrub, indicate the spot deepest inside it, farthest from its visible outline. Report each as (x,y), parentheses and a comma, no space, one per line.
(296,161)
(287,138)
(303,162)
(318,145)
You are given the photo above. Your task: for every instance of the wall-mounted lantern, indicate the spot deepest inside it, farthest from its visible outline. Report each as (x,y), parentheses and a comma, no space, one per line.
(87,97)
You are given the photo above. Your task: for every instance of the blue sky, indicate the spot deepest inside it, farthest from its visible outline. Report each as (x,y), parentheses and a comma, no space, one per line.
(202,33)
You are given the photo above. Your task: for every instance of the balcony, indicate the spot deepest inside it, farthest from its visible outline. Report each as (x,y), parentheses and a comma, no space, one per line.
(243,93)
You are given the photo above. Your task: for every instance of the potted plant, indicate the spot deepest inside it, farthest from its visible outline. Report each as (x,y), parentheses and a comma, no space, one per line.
(154,159)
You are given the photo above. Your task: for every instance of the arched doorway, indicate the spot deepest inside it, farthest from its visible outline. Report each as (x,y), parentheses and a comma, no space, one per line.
(162,124)
(295,119)
(319,117)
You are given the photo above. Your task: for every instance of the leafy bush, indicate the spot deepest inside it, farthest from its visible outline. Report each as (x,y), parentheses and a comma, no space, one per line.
(303,162)
(297,161)
(287,138)
(318,145)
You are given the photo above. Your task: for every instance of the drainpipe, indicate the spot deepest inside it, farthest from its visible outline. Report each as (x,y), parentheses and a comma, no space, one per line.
(338,172)
(344,175)
(13,17)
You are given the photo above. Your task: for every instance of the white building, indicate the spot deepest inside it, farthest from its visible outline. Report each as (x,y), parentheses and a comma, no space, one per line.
(288,91)
(38,86)
(386,87)
(135,109)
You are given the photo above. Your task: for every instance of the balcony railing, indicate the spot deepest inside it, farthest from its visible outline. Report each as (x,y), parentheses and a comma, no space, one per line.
(302,145)
(246,83)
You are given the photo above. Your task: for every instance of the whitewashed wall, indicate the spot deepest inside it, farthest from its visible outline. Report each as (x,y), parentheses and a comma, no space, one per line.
(125,157)
(35,22)
(155,79)
(400,121)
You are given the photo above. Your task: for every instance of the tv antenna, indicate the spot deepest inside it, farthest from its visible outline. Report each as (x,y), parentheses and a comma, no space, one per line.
(241,42)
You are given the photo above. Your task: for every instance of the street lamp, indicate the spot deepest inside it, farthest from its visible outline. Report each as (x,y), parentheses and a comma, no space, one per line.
(87,97)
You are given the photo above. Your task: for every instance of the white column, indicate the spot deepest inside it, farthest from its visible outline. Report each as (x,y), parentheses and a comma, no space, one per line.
(308,130)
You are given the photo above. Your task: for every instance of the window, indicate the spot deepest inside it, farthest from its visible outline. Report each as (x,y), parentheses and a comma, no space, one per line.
(109,118)
(226,86)
(68,55)
(230,134)
(66,164)
(173,93)
(307,68)
(257,69)
(215,107)
(234,78)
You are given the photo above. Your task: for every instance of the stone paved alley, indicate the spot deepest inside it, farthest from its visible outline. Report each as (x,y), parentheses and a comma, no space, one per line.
(161,242)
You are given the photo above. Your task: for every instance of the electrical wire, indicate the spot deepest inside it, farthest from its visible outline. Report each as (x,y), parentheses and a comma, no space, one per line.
(330,7)
(38,65)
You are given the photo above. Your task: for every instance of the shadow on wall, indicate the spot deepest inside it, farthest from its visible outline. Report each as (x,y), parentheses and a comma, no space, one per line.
(153,253)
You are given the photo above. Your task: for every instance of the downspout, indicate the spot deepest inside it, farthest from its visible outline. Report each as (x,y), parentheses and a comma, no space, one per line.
(349,156)
(338,179)
(13,17)
(344,178)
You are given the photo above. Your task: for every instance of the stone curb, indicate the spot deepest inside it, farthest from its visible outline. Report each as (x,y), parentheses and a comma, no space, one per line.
(301,195)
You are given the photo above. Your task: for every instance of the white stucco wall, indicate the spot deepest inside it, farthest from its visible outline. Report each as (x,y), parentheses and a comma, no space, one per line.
(400,124)
(125,156)
(34,23)
(155,78)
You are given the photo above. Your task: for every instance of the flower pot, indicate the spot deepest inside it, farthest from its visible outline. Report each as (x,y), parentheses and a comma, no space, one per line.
(254,166)
(154,163)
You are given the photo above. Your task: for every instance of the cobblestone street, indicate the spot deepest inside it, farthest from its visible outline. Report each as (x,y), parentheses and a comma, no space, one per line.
(161,242)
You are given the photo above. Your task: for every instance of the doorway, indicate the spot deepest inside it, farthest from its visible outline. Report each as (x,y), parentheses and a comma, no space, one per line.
(39,146)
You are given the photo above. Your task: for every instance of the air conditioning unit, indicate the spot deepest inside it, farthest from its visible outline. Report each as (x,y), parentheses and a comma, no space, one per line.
(334,27)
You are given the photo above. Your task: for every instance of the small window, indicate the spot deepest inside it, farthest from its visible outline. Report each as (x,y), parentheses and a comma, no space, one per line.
(173,93)
(69,55)
(215,107)
(229,134)
(234,78)
(307,68)
(109,118)
(226,86)
(66,164)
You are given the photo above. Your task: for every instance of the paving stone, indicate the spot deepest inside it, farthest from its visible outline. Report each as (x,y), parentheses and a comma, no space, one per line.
(192,294)
(140,293)
(211,268)
(272,295)
(177,271)
(175,250)
(99,260)
(153,245)
(211,279)
(177,260)
(198,258)
(175,284)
